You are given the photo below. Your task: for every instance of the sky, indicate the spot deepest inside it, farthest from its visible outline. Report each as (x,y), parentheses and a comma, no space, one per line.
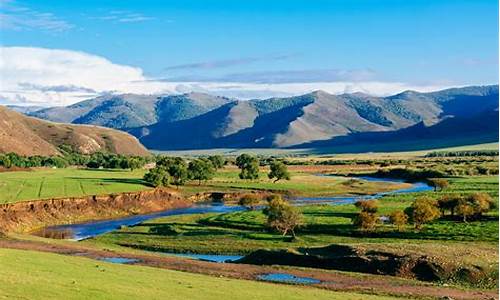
(57,52)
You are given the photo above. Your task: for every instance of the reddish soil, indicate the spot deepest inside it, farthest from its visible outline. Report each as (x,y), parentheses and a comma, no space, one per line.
(30,215)
(330,280)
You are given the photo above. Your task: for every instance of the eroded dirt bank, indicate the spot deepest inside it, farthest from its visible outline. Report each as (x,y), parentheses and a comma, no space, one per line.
(30,215)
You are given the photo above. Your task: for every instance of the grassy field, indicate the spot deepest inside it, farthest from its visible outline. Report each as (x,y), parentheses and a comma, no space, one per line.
(70,182)
(304,182)
(51,276)
(243,232)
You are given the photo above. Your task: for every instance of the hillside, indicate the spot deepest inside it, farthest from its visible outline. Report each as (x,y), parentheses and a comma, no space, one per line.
(130,110)
(30,136)
(307,120)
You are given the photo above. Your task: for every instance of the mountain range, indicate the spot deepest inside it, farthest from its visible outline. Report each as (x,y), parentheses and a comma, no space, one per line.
(318,120)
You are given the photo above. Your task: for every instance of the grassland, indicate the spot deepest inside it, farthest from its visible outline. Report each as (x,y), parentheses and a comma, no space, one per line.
(70,182)
(243,232)
(304,182)
(50,276)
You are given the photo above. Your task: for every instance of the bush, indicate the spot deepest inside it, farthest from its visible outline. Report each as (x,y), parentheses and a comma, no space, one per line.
(249,201)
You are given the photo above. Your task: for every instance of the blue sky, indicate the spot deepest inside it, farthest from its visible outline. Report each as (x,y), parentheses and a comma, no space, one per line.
(414,43)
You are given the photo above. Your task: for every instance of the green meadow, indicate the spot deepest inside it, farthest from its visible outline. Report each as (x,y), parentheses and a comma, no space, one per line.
(51,276)
(69,182)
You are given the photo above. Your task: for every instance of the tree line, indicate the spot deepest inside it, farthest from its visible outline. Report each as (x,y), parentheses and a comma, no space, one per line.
(177,171)
(70,158)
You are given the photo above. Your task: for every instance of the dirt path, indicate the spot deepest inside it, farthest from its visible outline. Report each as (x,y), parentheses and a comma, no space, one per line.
(337,281)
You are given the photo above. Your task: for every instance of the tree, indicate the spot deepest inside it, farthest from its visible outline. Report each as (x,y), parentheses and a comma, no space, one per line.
(249,166)
(200,169)
(448,202)
(474,205)
(249,201)
(439,184)
(157,176)
(481,202)
(176,168)
(366,221)
(398,218)
(135,163)
(370,206)
(422,210)
(5,161)
(217,161)
(281,216)
(465,210)
(279,171)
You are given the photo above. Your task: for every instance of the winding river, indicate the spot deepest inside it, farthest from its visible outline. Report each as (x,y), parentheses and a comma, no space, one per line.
(81,231)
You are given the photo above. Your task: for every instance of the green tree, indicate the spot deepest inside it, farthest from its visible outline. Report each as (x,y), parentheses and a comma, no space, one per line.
(5,161)
(278,171)
(217,161)
(179,173)
(157,176)
(282,216)
(249,166)
(423,210)
(201,169)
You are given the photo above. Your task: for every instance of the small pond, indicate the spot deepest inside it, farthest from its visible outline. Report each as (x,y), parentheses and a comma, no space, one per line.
(119,260)
(287,278)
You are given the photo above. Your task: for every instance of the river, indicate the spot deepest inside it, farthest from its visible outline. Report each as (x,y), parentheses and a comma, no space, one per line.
(81,231)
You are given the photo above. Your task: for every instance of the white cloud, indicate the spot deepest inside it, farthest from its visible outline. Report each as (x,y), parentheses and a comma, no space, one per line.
(61,77)
(119,16)
(17,17)
(51,77)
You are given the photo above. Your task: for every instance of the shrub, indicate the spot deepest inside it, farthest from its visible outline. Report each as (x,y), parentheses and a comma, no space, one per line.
(249,201)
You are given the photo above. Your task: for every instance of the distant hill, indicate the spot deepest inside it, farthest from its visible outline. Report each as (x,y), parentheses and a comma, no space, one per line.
(30,136)
(130,110)
(306,121)
(318,119)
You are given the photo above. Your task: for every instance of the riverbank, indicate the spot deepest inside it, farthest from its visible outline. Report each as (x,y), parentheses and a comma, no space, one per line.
(31,215)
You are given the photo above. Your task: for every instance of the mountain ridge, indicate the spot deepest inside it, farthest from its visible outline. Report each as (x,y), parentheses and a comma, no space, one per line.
(197,120)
